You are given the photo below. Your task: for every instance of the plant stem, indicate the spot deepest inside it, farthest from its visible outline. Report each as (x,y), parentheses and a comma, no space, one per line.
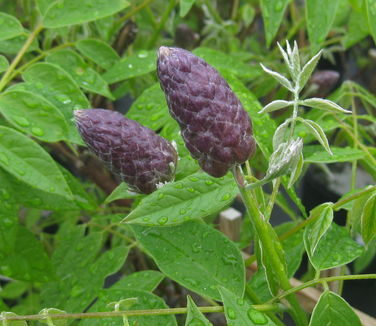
(323,280)
(161,24)
(4,81)
(254,298)
(272,198)
(213,11)
(134,10)
(261,227)
(128,313)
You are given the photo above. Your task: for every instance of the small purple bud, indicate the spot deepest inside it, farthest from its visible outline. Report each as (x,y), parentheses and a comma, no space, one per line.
(135,153)
(216,129)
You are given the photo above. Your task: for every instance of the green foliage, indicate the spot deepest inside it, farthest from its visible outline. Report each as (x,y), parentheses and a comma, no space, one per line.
(75,239)
(213,260)
(333,310)
(194,197)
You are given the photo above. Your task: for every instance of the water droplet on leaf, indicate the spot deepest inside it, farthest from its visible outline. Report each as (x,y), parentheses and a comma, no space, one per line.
(162,220)
(257,317)
(37,131)
(231,313)
(21,121)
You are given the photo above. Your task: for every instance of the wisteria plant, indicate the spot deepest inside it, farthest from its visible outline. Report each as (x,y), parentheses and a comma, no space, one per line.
(108,215)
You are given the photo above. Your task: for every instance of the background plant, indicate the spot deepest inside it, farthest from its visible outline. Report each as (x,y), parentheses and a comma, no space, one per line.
(61,236)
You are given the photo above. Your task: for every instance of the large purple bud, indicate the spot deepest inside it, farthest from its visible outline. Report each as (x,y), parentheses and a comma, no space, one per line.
(135,153)
(216,129)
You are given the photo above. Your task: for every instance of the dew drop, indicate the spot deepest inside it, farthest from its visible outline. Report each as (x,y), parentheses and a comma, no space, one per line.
(160,196)
(37,131)
(79,71)
(142,54)
(21,121)
(240,302)
(196,247)
(257,317)
(36,201)
(229,259)
(146,219)
(183,211)
(19,171)
(76,291)
(191,190)
(209,182)
(226,197)
(162,220)
(178,186)
(231,313)
(193,179)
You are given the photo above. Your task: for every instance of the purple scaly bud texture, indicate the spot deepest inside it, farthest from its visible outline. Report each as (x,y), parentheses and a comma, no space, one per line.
(135,153)
(216,129)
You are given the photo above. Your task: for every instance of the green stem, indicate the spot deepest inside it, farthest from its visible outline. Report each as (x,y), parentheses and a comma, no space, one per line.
(128,313)
(4,81)
(322,280)
(134,11)
(234,10)
(38,58)
(213,11)
(255,299)
(161,24)
(261,227)
(272,198)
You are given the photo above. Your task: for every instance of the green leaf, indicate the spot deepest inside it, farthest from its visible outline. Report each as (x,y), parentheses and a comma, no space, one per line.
(145,301)
(357,26)
(5,314)
(33,115)
(132,66)
(368,219)
(323,217)
(272,13)
(16,191)
(293,247)
(22,255)
(279,78)
(99,52)
(53,311)
(315,154)
(194,315)
(335,248)
(363,261)
(371,14)
(82,267)
(14,45)
(70,12)
(43,5)
(86,77)
(333,310)
(185,7)
(29,162)
(263,125)
(194,197)
(14,289)
(317,131)
(240,313)
(275,105)
(120,192)
(4,64)
(308,70)
(143,281)
(296,171)
(272,275)
(212,258)
(319,21)
(323,104)
(150,108)
(10,26)
(228,64)
(59,88)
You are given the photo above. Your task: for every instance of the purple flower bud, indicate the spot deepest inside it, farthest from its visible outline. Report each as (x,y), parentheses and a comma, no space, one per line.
(323,81)
(135,153)
(216,129)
